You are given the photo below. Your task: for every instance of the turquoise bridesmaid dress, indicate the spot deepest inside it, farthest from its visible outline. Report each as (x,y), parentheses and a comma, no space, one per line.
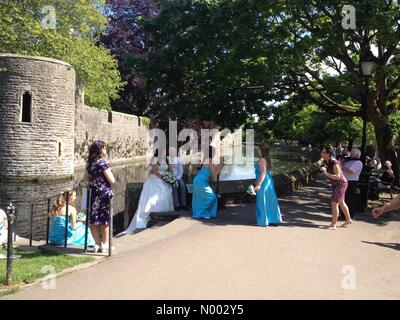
(267,207)
(204,201)
(75,237)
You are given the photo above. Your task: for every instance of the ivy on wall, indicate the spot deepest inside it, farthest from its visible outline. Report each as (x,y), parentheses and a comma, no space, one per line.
(120,148)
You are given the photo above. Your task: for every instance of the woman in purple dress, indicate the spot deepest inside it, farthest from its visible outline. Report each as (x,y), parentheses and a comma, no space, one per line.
(101,179)
(339,185)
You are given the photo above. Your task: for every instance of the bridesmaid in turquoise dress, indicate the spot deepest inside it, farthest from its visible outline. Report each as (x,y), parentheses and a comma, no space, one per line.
(267,207)
(76,230)
(204,201)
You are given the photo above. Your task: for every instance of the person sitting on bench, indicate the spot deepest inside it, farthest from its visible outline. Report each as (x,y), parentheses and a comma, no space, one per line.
(386,179)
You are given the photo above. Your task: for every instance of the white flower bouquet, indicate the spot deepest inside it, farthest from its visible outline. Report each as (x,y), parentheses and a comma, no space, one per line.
(250,190)
(81,217)
(170,178)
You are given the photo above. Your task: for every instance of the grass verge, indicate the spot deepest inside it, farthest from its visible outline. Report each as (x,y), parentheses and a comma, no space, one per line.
(30,267)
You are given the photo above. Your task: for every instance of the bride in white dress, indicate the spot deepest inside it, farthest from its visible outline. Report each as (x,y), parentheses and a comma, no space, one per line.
(156,196)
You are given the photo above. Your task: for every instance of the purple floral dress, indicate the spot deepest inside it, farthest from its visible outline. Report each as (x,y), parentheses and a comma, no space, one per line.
(339,187)
(101,192)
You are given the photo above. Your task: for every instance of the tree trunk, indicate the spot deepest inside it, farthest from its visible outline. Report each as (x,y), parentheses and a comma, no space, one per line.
(377,113)
(384,139)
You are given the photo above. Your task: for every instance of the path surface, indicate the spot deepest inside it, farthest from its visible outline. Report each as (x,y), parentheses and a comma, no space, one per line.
(231,258)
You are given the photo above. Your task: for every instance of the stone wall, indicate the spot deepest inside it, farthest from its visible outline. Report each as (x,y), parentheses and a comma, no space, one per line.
(30,150)
(123,134)
(24,195)
(60,129)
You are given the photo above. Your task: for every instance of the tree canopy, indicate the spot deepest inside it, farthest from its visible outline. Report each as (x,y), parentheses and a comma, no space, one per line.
(126,39)
(27,27)
(227,61)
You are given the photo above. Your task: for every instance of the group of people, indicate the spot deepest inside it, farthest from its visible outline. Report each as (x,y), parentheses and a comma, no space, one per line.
(344,169)
(164,195)
(205,201)
(157,195)
(99,176)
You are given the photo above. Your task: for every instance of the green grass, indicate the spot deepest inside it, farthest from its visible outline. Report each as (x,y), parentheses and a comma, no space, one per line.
(28,268)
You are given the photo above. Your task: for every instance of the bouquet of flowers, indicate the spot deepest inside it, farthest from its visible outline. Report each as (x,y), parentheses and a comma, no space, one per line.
(250,190)
(168,177)
(81,216)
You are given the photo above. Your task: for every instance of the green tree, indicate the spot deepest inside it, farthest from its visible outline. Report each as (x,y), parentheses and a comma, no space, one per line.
(322,60)
(78,26)
(209,59)
(262,130)
(223,59)
(311,125)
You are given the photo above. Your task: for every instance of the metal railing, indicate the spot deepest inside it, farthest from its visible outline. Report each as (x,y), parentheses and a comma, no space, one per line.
(48,222)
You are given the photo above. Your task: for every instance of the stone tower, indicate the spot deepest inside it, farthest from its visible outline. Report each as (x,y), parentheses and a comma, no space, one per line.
(37,118)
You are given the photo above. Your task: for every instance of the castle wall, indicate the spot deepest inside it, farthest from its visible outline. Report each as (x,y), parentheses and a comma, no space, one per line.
(30,150)
(61,128)
(125,138)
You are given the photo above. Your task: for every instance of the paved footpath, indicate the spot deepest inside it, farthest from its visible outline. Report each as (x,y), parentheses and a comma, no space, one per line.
(231,258)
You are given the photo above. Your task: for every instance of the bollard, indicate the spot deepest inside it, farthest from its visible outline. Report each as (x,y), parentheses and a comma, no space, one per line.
(66,220)
(11,215)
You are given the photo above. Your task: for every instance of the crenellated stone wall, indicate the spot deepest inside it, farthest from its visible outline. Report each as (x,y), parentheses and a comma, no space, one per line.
(31,149)
(125,137)
(56,138)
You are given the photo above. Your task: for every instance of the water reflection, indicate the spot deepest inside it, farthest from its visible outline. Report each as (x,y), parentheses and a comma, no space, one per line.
(23,195)
(283,160)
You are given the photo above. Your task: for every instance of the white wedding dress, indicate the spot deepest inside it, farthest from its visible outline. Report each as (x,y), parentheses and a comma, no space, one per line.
(156,196)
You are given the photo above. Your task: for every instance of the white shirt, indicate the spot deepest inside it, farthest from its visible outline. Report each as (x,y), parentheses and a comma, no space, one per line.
(356,167)
(177,167)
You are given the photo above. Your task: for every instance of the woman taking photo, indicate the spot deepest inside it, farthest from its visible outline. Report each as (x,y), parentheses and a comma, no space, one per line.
(267,207)
(339,186)
(101,180)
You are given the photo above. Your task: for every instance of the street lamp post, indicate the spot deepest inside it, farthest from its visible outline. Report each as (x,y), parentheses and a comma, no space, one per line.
(366,69)
(11,216)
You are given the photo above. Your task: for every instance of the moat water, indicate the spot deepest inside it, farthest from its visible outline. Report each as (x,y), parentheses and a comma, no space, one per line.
(24,195)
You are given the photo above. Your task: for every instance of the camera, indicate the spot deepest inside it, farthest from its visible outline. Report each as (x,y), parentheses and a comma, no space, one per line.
(321,168)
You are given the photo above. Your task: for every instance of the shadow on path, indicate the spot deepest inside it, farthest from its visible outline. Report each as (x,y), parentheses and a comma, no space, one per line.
(308,207)
(394,246)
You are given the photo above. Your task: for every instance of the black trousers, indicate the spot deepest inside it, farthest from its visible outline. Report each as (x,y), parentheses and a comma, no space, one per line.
(352,198)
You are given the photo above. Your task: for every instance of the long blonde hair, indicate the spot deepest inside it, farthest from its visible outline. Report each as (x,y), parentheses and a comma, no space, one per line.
(60,202)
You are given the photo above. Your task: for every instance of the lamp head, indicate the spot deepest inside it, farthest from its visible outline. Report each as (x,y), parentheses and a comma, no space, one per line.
(367,67)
